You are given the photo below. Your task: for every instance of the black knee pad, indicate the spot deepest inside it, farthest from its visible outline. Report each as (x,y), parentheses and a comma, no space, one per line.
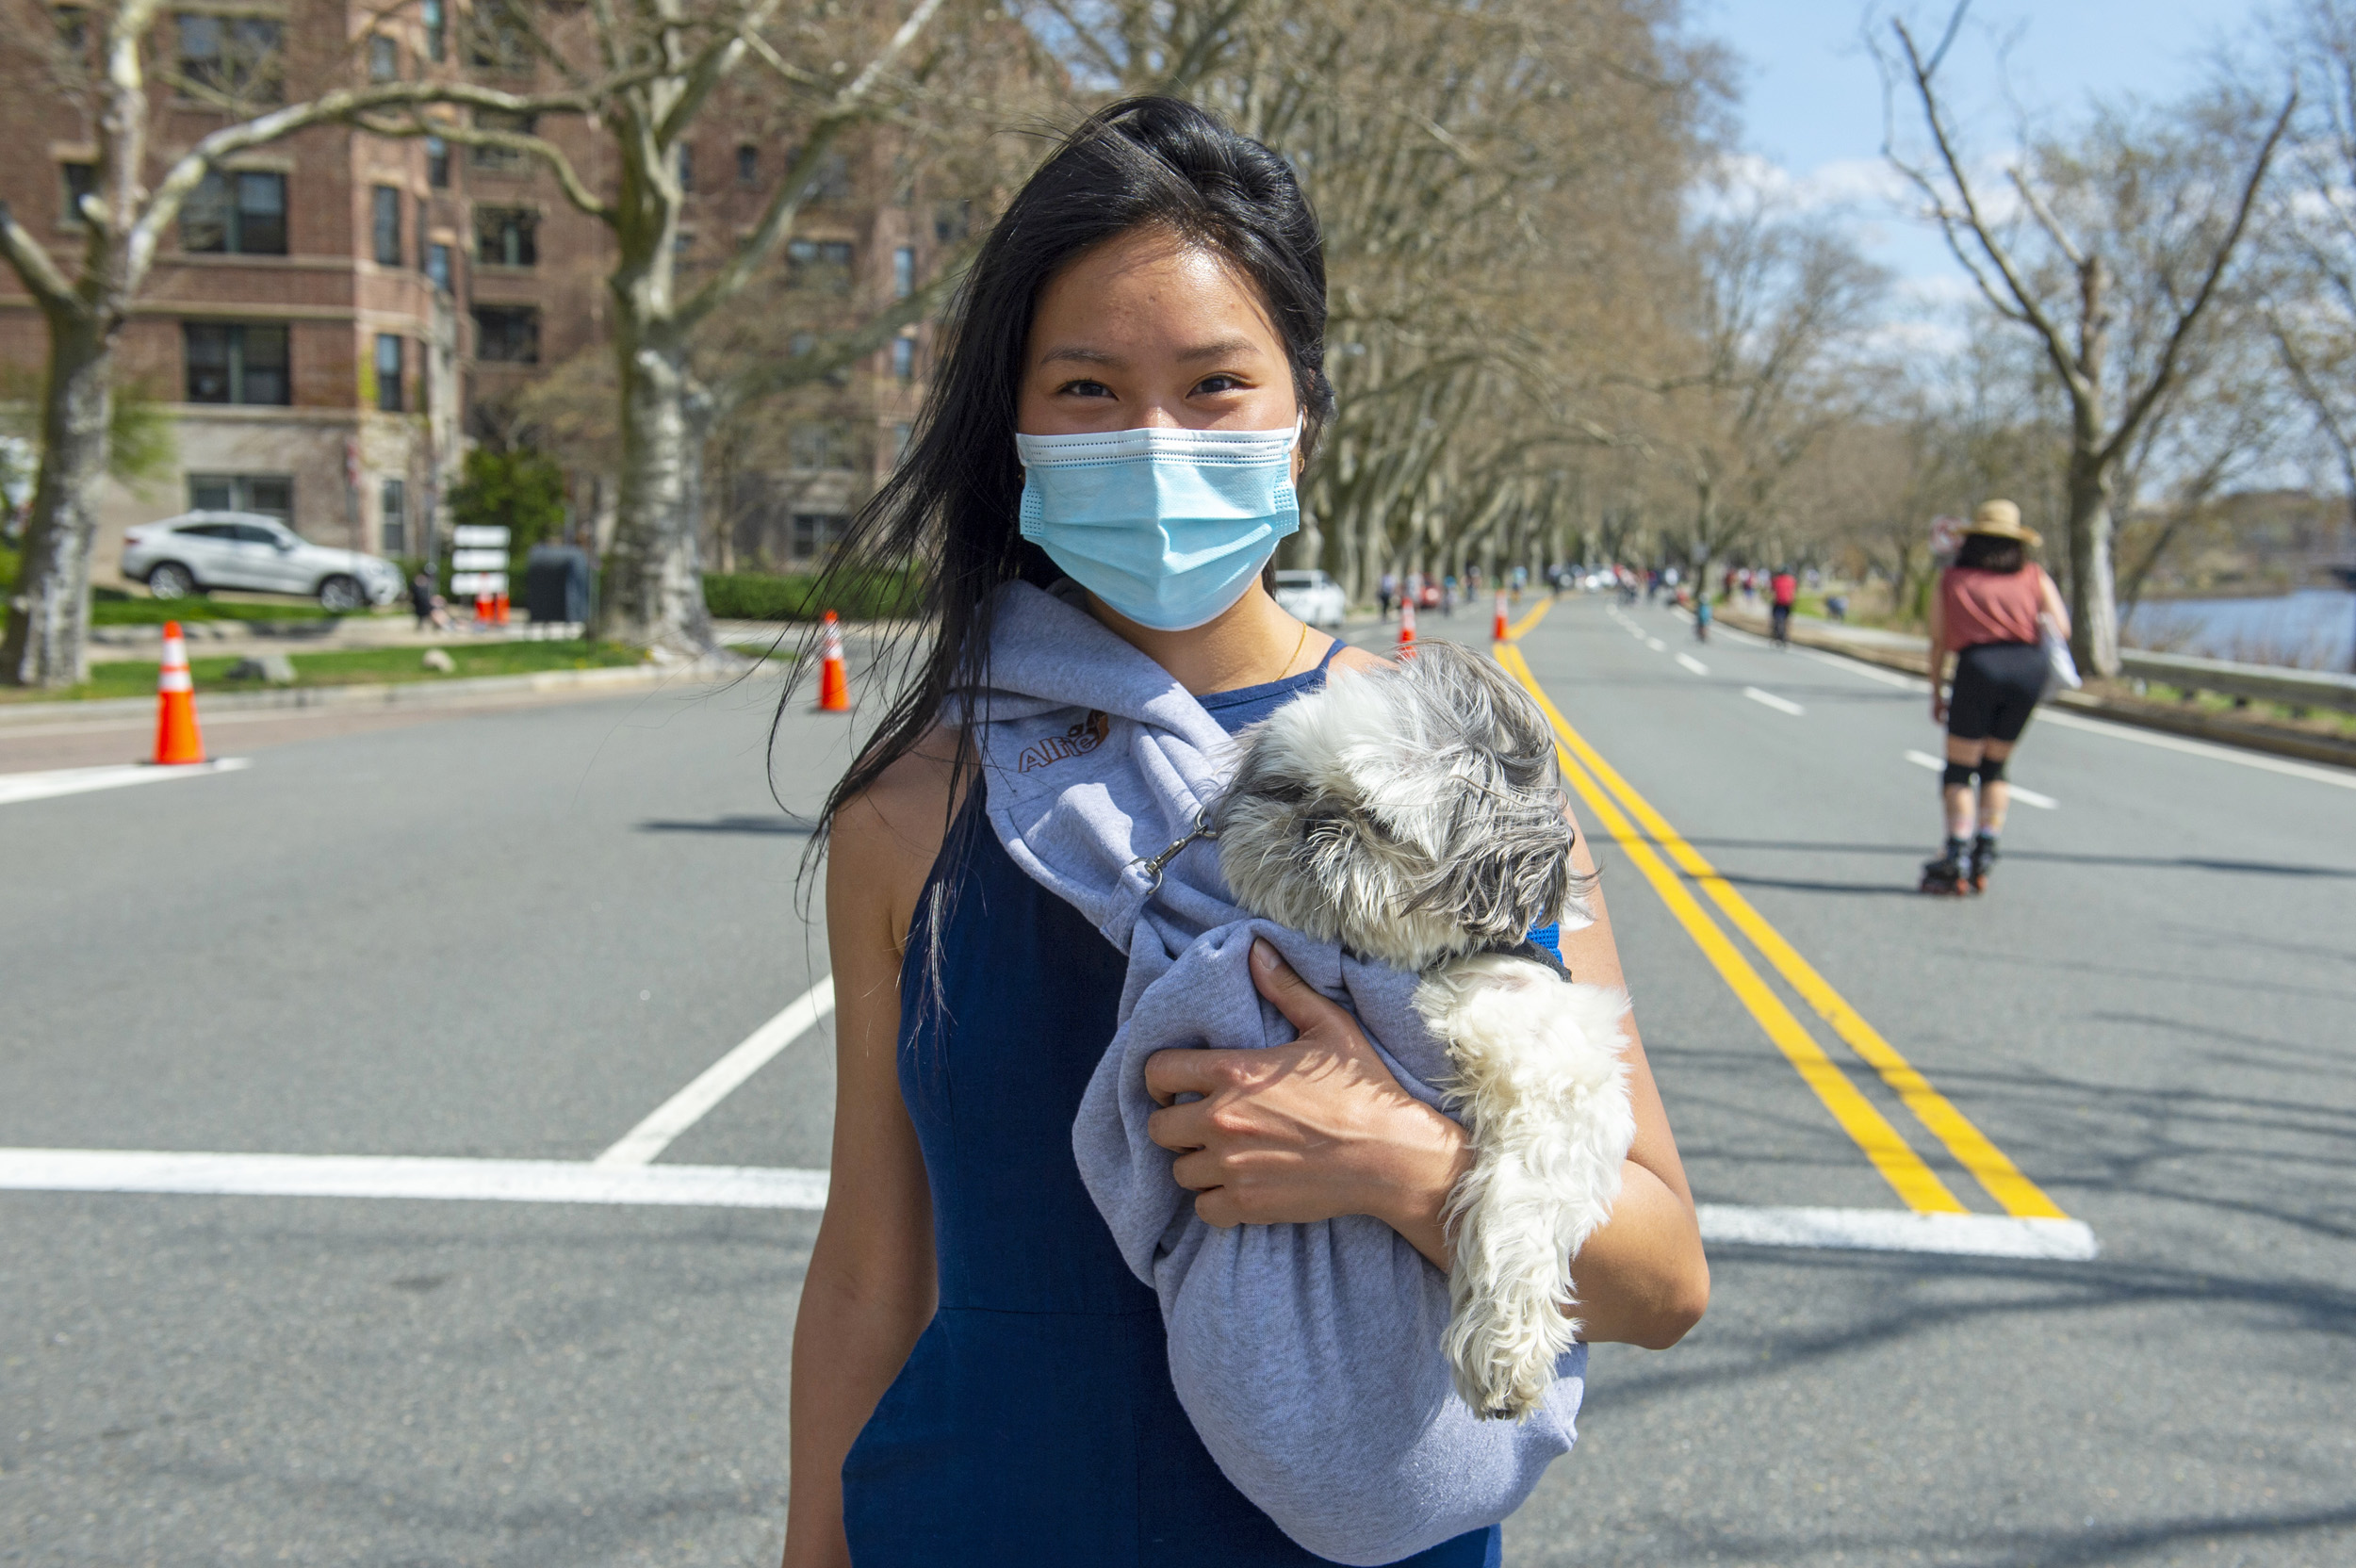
(1992,771)
(1958,775)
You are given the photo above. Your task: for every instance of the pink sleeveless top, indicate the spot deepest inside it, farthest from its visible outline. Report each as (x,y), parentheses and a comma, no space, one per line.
(1990,607)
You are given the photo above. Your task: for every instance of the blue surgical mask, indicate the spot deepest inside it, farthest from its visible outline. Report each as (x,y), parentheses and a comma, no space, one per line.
(1169,527)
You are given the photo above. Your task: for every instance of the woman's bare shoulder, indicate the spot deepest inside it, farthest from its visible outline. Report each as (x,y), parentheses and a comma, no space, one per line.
(1352,658)
(884,840)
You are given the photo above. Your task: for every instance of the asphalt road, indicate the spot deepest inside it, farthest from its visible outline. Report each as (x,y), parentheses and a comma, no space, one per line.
(510,936)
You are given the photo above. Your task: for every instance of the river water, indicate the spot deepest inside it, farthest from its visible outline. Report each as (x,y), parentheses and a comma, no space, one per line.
(2314,629)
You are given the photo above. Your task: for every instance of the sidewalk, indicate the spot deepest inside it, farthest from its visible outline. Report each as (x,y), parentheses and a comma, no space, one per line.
(1907,651)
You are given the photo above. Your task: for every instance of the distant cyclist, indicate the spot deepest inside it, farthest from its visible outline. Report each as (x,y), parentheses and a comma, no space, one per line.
(1986,612)
(1783,590)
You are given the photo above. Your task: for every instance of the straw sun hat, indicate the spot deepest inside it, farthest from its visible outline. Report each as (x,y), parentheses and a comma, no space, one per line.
(2002,520)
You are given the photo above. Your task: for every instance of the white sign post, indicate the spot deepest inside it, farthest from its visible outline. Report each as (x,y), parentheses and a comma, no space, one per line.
(478,561)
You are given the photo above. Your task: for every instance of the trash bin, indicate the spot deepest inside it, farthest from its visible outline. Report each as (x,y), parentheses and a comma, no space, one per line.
(559,585)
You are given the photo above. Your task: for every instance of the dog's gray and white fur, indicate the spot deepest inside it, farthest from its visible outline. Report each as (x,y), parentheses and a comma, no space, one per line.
(1414,814)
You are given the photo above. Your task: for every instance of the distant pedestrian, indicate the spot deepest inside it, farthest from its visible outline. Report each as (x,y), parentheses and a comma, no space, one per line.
(1386,590)
(1702,616)
(426,604)
(1783,591)
(1987,611)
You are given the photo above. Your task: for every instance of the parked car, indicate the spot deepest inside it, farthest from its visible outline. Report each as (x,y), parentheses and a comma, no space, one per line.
(1312,596)
(202,550)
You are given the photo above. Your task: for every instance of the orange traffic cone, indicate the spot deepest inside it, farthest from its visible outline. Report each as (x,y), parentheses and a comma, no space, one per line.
(1406,631)
(176,740)
(834,681)
(1498,631)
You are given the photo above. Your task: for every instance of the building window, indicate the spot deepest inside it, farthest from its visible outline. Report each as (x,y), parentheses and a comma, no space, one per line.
(436,31)
(237,56)
(507,335)
(392,517)
(904,271)
(237,363)
(819,264)
(437,163)
(383,60)
(239,212)
(686,169)
(499,159)
(816,533)
(73,29)
(904,359)
(498,38)
(900,434)
(749,165)
(271,493)
(830,181)
(506,237)
(74,181)
(952,222)
(388,389)
(437,267)
(818,444)
(385,221)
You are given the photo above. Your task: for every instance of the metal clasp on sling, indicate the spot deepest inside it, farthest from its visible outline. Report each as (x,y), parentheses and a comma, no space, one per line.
(1154,868)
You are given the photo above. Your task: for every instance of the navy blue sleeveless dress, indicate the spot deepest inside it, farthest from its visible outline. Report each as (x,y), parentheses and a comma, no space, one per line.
(1034,1424)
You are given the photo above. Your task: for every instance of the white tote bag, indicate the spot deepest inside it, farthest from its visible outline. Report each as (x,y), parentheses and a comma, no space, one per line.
(2061,671)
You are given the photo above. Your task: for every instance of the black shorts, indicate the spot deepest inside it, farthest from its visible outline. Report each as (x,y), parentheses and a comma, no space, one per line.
(1997,685)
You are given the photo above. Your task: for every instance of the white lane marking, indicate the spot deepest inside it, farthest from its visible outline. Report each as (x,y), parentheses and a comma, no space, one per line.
(642,1143)
(2345,779)
(15,787)
(2025,795)
(1655,645)
(134,1171)
(1693,663)
(1871,672)
(1781,704)
(381,1176)
(1985,1236)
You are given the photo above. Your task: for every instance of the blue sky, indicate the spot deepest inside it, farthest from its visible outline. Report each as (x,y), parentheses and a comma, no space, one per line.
(1812,106)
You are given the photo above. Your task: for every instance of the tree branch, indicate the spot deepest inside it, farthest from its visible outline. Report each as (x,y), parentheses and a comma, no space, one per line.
(34,265)
(2164,370)
(787,204)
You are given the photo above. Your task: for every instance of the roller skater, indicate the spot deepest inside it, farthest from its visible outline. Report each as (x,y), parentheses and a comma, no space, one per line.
(1988,611)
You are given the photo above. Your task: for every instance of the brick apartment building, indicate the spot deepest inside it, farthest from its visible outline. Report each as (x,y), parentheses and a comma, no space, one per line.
(334,311)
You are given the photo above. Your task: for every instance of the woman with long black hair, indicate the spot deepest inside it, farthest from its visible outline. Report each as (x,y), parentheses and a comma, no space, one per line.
(978,1378)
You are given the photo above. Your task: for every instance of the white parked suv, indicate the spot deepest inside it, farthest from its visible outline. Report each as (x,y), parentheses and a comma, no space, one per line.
(1312,596)
(198,550)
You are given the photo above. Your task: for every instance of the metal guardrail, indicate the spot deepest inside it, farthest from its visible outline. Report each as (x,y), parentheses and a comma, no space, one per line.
(2261,682)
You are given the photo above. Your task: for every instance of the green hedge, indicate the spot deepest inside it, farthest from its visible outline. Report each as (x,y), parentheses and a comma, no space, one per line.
(760,597)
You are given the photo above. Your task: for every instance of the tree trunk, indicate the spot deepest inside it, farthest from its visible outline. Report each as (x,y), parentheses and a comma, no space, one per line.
(2093,593)
(48,625)
(654,571)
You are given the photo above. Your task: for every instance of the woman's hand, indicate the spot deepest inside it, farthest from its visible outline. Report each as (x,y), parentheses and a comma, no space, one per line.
(1938,703)
(1307,1131)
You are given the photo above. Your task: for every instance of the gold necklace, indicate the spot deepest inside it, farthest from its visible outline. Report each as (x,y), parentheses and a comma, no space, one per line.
(1299,643)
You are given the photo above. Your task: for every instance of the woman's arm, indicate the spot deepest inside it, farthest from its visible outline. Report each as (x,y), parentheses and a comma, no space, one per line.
(869,1290)
(1938,648)
(2049,595)
(1320,1128)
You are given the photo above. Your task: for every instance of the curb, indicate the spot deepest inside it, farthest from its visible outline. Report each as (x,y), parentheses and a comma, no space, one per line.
(2204,727)
(408,693)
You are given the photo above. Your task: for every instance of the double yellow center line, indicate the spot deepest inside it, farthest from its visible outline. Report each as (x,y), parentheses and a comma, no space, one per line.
(1614,801)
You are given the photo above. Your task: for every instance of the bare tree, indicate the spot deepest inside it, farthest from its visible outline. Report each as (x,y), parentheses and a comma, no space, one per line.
(2120,250)
(1767,368)
(101,56)
(667,61)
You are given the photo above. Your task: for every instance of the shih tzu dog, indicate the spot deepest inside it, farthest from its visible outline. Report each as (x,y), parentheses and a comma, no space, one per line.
(1415,815)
